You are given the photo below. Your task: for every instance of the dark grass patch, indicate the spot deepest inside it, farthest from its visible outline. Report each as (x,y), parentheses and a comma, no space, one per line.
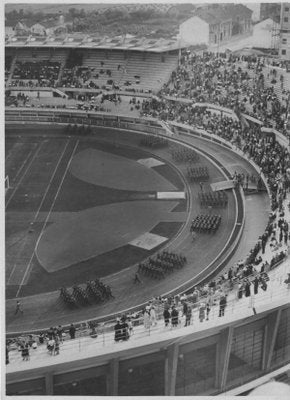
(33,129)
(100,266)
(112,146)
(10,291)
(166,229)
(32,189)
(16,226)
(19,251)
(181,206)
(103,265)
(77,195)
(17,158)
(171,175)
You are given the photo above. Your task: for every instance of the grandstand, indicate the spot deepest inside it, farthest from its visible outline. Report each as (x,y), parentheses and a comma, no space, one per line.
(134,65)
(172,244)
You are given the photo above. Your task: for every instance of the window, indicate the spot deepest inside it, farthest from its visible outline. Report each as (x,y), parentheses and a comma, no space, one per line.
(284,41)
(286,9)
(283,52)
(285,19)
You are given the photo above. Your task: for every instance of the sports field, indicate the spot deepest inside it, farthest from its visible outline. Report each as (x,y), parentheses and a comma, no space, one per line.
(82,207)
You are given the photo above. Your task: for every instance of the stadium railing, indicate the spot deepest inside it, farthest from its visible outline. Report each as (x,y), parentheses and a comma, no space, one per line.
(277,294)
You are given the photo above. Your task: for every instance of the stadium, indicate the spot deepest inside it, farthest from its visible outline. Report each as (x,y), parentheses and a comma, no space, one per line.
(147,211)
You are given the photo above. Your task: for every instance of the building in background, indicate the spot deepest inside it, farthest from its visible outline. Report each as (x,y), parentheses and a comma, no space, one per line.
(266,34)
(47,28)
(256,8)
(284,51)
(22,28)
(216,24)
(9,31)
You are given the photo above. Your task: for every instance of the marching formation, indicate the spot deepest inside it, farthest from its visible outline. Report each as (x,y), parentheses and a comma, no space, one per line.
(213,199)
(182,154)
(160,265)
(153,141)
(197,174)
(205,223)
(94,292)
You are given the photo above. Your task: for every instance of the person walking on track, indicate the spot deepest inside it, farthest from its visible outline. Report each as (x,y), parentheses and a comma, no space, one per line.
(18,308)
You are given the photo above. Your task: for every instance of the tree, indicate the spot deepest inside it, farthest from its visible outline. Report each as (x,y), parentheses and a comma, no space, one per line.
(72,12)
(82,13)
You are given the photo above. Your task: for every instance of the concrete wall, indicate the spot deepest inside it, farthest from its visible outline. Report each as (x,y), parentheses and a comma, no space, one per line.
(262,34)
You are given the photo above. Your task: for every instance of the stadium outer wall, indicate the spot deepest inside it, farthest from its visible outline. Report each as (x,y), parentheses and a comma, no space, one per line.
(207,362)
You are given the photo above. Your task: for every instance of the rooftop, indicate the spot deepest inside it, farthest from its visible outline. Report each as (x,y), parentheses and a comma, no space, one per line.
(92,42)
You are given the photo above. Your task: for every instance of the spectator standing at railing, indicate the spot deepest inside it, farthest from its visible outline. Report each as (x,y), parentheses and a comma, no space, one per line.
(60,332)
(188,315)
(124,334)
(185,307)
(207,306)
(247,288)
(50,333)
(287,281)
(195,296)
(130,326)
(56,346)
(51,346)
(153,319)
(72,331)
(146,317)
(256,284)
(202,309)
(41,337)
(166,316)
(264,279)
(210,297)
(222,304)
(25,352)
(118,330)
(174,317)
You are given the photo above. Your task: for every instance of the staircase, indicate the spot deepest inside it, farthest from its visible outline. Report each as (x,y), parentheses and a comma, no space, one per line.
(167,128)
(60,93)
(62,65)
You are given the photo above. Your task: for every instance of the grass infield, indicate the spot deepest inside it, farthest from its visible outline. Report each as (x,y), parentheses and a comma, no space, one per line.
(44,186)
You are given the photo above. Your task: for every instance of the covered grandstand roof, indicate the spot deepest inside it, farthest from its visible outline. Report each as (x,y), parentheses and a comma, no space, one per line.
(117,43)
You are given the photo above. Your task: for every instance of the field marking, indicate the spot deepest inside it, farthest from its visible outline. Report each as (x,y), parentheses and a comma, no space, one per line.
(24,162)
(148,241)
(22,177)
(39,208)
(9,154)
(50,182)
(22,165)
(46,220)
